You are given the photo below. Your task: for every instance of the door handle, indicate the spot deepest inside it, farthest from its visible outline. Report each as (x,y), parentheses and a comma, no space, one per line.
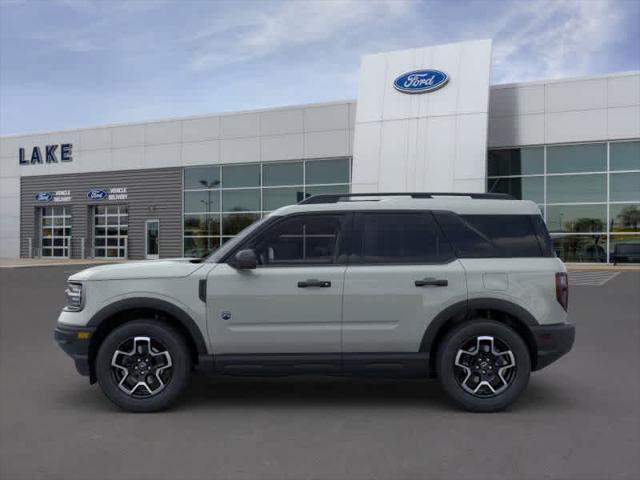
(432,282)
(314,283)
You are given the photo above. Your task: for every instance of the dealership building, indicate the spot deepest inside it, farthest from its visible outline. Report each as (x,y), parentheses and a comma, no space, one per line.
(425,119)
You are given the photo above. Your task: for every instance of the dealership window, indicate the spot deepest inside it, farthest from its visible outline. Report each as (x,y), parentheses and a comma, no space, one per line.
(55,233)
(589,195)
(220,201)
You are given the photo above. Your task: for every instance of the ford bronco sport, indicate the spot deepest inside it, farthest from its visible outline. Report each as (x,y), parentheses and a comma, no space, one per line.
(462,287)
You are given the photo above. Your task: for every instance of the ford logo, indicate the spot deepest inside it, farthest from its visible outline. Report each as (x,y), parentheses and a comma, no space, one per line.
(97,195)
(420,81)
(44,196)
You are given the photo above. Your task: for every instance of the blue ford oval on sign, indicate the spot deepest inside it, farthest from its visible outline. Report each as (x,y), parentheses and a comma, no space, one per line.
(44,196)
(420,81)
(97,195)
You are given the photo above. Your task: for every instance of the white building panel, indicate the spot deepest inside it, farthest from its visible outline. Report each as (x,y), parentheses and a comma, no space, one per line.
(281,121)
(326,117)
(623,122)
(95,139)
(368,144)
(580,126)
(126,136)
(97,160)
(282,147)
(200,129)
(326,144)
(240,150)
(516,130)
(564,96)
(201,153)
(402,131)
(509,101)
(128,158)
(158,156)
(161,133)
(240,125)
(623,90)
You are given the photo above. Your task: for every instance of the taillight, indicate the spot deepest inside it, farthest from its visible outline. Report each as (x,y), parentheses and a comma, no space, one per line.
(562,289)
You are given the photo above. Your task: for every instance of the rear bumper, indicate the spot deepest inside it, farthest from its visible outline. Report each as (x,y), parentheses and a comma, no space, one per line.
(553,341)
(75,343)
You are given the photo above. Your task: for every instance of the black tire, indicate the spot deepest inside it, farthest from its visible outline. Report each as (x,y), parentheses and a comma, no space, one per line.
(453,377)
(175,377)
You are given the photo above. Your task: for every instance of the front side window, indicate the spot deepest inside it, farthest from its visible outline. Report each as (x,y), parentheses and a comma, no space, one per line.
(300,240)
(398,238)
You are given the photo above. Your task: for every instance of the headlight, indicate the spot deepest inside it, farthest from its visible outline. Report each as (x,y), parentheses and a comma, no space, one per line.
(73,294)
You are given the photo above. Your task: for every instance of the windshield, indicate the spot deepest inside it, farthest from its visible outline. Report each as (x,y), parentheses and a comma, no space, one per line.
(216,255)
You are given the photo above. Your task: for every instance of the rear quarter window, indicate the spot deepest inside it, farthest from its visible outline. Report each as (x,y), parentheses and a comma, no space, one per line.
(507,236)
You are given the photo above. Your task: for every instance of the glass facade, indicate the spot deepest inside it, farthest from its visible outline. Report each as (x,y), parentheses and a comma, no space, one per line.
(588,193)
(221,200)
(55,233)
(110,231)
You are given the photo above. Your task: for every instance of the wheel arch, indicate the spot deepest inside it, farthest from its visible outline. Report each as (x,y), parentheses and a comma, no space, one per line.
(123,311)
(502,311)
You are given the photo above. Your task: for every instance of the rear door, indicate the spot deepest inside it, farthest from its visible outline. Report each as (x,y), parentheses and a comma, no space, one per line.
(403,273)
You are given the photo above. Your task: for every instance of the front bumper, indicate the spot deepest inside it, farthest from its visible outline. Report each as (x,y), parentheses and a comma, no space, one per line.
(553,341)
(75,342)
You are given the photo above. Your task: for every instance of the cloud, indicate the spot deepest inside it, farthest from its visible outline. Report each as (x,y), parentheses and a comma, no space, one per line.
(288,25)
(550,39)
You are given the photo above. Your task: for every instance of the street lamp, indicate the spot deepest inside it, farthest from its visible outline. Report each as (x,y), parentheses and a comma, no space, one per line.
(209,186)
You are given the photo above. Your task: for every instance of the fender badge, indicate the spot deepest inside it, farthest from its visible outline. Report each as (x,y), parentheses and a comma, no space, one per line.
(225,315)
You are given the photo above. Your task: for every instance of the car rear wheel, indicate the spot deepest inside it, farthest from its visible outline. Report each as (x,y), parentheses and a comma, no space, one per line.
(143,365)
(483,365)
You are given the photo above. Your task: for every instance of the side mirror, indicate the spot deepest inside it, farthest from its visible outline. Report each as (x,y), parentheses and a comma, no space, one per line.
(246,260)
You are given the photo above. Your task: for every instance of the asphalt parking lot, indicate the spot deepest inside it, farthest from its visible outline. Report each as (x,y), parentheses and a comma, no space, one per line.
(579,418)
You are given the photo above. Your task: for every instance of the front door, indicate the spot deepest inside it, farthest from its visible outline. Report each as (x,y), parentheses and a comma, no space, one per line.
(152,239)
(404,275)
(292,302)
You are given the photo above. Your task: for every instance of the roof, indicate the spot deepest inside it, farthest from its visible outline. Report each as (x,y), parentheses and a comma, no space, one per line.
(458,204)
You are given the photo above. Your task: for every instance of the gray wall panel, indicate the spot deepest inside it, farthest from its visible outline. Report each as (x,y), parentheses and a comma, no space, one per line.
(152,193)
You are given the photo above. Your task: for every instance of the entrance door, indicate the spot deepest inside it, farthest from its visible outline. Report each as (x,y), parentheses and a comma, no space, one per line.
(152,239)
(110,231)
(55,233)
(292,302)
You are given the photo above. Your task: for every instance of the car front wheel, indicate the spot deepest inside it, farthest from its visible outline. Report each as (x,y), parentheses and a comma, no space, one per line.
(143,365)
(483,365)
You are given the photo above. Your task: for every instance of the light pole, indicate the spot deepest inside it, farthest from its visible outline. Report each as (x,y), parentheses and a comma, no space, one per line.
(209,186)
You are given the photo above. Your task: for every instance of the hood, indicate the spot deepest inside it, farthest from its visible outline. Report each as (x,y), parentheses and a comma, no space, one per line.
(166,268)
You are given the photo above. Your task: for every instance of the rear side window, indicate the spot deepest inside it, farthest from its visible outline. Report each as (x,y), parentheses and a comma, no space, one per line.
(483,236)
(399,238)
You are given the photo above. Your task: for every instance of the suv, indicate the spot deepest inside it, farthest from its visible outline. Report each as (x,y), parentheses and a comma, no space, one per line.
(462,287)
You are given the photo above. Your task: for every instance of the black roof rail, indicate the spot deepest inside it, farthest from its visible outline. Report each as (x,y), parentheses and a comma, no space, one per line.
(336,197)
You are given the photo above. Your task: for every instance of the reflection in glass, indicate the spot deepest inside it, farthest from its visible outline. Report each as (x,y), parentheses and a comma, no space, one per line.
(204,201)
(202,225)
(624,155)
(201,177)
(232,224)
(197,247)
(286,173)
(273,198)
(624,187)
(524,188)
(516,161)
(624,249)
(241,200)
(326,190)
(576,188)
(235,176)
(581,248)
(590,157)
(576,218)
(327,171)
(624,217)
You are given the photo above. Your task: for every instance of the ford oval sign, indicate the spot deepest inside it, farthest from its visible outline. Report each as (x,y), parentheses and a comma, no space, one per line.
(97,195)
(44,196)
(420,81)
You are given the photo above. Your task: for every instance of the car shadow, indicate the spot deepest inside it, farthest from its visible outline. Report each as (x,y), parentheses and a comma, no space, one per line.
(213,392)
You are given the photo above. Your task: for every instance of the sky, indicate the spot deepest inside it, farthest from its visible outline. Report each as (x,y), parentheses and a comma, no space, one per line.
(79,63)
